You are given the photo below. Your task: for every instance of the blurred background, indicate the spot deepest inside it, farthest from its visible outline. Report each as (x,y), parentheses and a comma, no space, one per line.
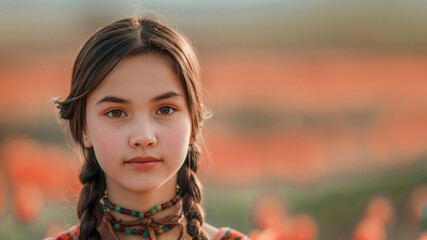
(319,127)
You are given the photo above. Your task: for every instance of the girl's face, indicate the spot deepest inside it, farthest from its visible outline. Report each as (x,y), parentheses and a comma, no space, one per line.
(138,122)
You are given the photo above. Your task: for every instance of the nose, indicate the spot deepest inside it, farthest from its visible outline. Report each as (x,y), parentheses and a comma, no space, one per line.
(143,135)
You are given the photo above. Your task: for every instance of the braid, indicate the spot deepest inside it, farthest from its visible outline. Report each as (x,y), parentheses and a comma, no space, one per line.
(88,208)
(191,187)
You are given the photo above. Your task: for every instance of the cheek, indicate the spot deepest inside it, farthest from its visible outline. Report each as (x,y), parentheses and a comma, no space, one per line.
(105,142)
(177,138)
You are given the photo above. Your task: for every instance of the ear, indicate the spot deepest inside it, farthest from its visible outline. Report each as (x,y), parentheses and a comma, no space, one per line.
(87,140)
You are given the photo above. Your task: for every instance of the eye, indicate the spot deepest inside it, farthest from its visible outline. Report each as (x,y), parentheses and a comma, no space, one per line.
(166,110)
(116,113)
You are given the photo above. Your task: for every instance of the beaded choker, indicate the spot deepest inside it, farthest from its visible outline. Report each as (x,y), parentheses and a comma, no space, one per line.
(148,227)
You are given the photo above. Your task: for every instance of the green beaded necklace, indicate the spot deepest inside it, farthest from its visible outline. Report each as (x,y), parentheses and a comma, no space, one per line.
(145,220)
(107,204)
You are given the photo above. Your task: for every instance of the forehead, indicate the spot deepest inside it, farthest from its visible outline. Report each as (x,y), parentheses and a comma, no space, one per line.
(140,76)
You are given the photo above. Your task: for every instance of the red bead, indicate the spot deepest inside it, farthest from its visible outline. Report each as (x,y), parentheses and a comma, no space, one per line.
(140,231)
(164,205)
(122,228)
(127,212)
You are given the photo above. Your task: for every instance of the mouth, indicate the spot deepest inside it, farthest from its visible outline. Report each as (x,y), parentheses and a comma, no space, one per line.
(143,160)
(143,163)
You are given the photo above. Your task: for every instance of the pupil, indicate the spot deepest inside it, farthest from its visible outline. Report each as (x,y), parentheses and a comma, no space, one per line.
(164,110)
(116,113)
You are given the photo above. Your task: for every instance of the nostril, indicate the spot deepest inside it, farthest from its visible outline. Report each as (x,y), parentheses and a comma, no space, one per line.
(142,142)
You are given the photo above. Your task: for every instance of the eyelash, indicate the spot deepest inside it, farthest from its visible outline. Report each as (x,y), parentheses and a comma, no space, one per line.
(110,113)
(168,107)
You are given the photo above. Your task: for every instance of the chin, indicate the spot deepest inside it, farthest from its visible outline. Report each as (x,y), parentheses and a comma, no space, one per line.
(144,186)
(141,183)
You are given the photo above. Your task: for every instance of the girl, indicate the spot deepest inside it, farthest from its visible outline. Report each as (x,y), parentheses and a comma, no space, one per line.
(135,111)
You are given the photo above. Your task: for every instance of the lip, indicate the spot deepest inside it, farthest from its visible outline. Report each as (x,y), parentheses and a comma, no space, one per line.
(142,159)
(143,163)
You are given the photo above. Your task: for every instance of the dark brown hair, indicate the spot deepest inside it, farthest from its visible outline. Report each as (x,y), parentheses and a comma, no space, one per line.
(97,58)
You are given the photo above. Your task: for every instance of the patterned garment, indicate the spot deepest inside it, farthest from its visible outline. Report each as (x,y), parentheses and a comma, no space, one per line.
(70,234)
(225,233)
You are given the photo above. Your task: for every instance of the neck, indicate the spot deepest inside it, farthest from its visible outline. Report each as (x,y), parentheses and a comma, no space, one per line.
(141,201)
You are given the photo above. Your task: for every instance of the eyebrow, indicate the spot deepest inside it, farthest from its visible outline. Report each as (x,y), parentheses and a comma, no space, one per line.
(112,99)
(163,96)
(166,95)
